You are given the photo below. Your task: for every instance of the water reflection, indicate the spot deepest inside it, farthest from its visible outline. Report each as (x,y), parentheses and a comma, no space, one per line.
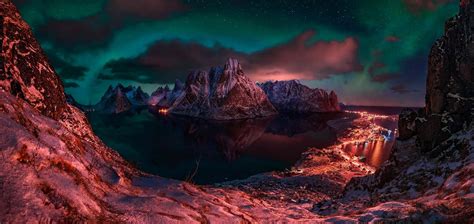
(278,138)
(373,152)
(211,151)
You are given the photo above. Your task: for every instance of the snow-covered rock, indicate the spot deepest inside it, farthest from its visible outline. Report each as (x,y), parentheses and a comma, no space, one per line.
(292,96)
(163,97)
(223,93)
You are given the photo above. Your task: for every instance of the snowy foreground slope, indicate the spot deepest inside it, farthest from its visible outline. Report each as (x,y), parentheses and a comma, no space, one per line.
(53,167)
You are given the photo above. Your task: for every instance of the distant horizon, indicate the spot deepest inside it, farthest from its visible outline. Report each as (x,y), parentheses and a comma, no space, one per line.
(152,87)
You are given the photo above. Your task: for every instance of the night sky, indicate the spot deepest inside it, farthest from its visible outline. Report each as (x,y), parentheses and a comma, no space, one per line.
(371,52)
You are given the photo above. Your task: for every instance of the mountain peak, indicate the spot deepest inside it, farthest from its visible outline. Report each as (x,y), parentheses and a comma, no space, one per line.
(233,64)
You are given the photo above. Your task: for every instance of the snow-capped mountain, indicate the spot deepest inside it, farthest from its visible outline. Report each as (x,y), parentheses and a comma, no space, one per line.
(223,93)
(292,96)
(163,97)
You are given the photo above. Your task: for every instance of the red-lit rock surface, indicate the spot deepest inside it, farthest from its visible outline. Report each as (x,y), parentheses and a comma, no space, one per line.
(292,96)
(54,169)
(120,99)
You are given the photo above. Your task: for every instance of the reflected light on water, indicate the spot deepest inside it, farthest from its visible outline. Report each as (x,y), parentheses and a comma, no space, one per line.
(374,152)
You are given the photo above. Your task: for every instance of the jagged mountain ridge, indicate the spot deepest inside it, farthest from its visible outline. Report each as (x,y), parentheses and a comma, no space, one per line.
(120,99)
(223,93)
(163,97)
(292,96)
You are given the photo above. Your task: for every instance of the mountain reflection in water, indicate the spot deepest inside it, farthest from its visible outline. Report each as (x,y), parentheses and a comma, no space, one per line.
(213,151)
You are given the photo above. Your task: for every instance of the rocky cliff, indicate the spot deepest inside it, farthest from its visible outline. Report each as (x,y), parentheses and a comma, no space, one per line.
(292,96)
(449,87)
(25,71)
(120,99)
(223,93)
(432,162)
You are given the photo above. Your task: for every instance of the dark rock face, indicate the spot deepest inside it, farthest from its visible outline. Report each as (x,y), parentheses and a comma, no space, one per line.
(25,71)
(137,96)
(450,84)
(435,143)
(121,99)
(70,100)
(406,124)
(292,96)
(223,93)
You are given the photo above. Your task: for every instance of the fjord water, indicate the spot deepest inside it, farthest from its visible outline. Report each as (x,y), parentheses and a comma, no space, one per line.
(207,152)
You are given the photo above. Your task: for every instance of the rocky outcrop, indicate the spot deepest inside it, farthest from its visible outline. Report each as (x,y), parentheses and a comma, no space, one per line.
(120,99)
(407,124)
(294,97)
(450,83)
(114,101)
(432,160)
(163,97)
(137,97)
(25,71)
(72,101)
(223,93)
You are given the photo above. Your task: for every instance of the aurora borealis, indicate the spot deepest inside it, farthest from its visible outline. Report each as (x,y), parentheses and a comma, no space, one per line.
(371,52)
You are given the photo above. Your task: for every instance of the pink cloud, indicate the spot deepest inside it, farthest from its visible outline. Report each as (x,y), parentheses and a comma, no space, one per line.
(301,58)
(392,39)
(382,78)
(419,5)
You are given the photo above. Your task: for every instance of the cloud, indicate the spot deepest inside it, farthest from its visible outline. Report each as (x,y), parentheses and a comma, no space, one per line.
(165,61)
(375,66)
(420,5)
(302,58)
(70,85)
(378,70)
(89,32)
(402,89)
(385,77)
(96,30)
(143,9)
(392,39)
(65,69)
(299,58)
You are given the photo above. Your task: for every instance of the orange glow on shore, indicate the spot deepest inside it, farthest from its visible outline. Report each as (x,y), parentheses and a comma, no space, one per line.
(364,145)
(163,111)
